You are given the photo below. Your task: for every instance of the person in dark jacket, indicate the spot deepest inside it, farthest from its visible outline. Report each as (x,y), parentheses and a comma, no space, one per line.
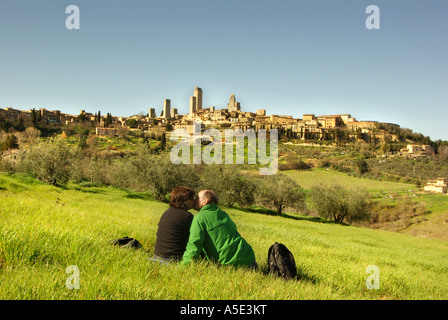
(174,226)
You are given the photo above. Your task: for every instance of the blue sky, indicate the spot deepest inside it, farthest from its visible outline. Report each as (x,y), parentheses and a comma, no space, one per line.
(288,57)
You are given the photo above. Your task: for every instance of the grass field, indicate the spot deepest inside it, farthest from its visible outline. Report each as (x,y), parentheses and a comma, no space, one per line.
(308,178)
(432,225)
(45,229)
(435,224)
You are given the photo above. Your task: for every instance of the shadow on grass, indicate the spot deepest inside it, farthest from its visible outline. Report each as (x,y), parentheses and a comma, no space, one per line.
(313,219)
(301,275)
(140,195)
(270,212)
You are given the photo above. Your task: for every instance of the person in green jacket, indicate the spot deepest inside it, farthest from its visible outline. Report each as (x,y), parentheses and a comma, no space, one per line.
(214,233)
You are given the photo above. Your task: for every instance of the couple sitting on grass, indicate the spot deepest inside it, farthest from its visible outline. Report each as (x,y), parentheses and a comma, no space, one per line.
(211,232)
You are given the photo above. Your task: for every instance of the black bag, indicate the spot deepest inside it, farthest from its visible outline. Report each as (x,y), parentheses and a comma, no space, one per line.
(281,262)
(127,242)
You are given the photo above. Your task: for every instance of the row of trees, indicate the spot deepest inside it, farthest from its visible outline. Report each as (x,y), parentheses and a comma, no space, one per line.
(56,162)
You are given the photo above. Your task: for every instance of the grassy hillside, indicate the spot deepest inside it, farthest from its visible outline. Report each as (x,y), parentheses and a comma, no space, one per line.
(434,224)
(45,229)
(308,178)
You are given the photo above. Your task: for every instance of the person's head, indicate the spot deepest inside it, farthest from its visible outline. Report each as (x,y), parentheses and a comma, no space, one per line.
(205,197)
(182,198)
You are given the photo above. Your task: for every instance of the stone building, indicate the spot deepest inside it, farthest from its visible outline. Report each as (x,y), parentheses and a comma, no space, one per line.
(196,101)
(192,105)
(331,121)
(438,185)
(106,132)
(198,95)
(51,116)
(354,125)
(233,105)
(416,150)
(166,109)
(261,112)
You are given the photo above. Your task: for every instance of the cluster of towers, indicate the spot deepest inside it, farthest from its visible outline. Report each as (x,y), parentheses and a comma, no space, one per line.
(195,105)
(167,112)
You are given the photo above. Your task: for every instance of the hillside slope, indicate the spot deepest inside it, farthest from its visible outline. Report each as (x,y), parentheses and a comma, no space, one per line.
(45,229)
(432,224)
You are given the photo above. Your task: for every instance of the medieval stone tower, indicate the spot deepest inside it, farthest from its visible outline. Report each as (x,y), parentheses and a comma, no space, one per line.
(198,95)
(166,108)
(196,100)
(233,105)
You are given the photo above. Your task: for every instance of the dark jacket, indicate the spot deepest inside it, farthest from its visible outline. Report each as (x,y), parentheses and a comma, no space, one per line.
(173,233)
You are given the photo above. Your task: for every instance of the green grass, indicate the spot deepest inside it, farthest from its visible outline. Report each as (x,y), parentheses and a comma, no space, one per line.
(432,225)
(308,178)
(45,229)
(435,223)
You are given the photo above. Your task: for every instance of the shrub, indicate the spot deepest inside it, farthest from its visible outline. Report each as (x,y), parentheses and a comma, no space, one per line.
(96,169)
(121,174)
(362,166)
(158,174)
(229,184)
(279,192)
(339,204)
(51,161)
(294,165)
(11,142)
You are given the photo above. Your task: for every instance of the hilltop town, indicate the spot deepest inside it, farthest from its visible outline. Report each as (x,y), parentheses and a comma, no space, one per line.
(309,127)
(363,141)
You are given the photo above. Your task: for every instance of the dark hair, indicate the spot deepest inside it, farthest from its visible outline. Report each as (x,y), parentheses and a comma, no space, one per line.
(211,196)
(180,195)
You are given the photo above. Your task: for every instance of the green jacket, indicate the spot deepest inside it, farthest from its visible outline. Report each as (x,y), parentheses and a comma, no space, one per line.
(213,232)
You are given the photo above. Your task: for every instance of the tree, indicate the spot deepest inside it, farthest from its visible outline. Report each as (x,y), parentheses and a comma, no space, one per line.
(108,119)
(339,204)
(280,191)
(132,123)
(359,134)
(11,142)
(385,147)
(34,117)
(169,126)
(362,166)
(51,161)
(163,141)
(82,117)
(158,174)
(443,153)
(30,136)
(229,184)
(95,169)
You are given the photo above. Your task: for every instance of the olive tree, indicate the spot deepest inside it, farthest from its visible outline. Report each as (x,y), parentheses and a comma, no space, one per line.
(51,161)
(158,175)
(334,202)
(279,191)
(231,185)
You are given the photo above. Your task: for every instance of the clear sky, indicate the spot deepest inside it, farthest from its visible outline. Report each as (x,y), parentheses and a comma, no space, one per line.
(289,57)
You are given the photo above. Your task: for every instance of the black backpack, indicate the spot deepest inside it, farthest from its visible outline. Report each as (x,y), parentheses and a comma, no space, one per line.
(281,262)
(127,242)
